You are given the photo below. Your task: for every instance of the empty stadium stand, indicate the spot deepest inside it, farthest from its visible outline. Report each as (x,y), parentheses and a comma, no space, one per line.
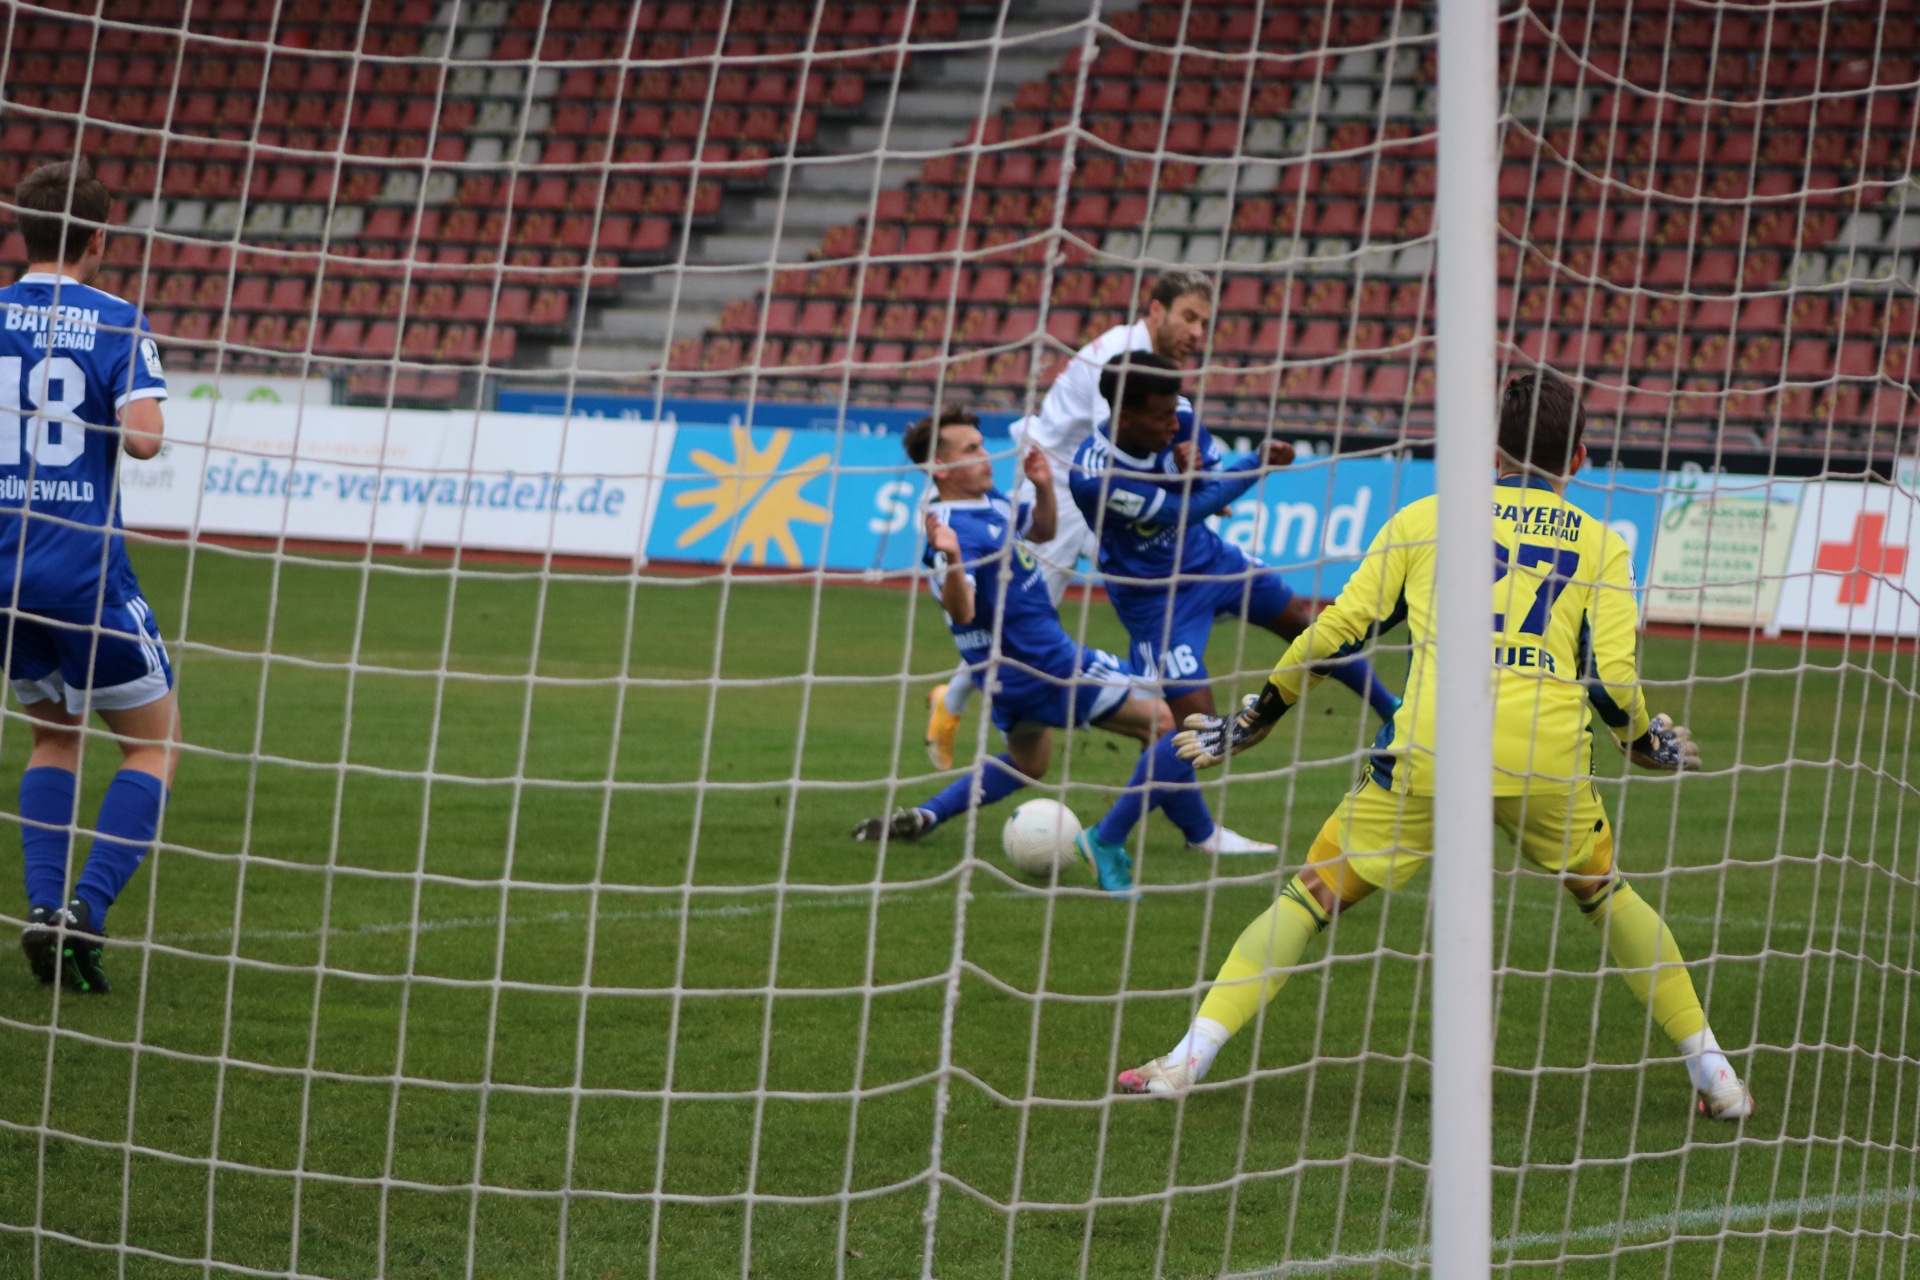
(412,181)
(1707,215)
(1706,221)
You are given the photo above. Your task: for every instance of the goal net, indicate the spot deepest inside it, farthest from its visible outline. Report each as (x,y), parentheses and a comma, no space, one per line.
(541,571)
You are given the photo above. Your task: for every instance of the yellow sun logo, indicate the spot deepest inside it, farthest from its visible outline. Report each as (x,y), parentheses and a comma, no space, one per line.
(752,491)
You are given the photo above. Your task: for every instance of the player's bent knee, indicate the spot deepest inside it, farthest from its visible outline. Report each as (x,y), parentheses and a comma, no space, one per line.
(1592,881)
(1293,619)
(1312,882)
(1197,702)
(1335,883)
(1142,719)
(149,735)
(1030,752)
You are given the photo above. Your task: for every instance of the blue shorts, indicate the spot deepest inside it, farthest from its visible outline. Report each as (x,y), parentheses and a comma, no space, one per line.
(1071,699)
(1176,646)
(60,655)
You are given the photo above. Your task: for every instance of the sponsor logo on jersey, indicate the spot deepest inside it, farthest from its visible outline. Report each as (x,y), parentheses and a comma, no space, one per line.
(75,328)
(1540,522)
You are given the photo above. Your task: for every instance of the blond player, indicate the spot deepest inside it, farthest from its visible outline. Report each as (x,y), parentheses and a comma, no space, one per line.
(1564,619)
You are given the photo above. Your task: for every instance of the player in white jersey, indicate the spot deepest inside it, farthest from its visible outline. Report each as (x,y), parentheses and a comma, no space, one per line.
(82,381)
(1179,308)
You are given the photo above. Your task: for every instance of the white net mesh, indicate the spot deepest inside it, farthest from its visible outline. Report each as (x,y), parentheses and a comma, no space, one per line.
(530,544)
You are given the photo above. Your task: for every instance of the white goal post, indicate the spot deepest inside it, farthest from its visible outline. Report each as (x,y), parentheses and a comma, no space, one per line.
(1465,363)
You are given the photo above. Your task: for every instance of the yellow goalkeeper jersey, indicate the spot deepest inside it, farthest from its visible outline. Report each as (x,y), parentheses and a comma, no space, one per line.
(1563,621)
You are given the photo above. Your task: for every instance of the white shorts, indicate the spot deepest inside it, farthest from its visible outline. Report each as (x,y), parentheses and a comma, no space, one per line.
(1072,539)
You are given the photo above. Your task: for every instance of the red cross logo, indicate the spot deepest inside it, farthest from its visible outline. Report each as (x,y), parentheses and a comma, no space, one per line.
(1861,560)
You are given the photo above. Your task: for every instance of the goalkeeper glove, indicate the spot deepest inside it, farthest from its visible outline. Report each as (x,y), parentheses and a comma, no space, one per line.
(1665,746)
(1207,740)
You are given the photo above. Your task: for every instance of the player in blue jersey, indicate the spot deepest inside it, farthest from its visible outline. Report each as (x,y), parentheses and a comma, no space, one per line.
(1147,480)
(1007,628)
(81,380)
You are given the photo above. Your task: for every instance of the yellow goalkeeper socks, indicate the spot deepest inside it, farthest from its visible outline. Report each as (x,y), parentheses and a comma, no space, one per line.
(1272,942)
(1639,941)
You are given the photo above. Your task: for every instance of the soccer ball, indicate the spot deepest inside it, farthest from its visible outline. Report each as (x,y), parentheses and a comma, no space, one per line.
(1039,838)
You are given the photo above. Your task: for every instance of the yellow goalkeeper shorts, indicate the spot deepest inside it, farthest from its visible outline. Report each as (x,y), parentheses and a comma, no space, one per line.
(1384,838)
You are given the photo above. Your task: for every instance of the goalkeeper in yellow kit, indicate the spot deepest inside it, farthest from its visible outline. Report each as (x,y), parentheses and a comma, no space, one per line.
(1564,621)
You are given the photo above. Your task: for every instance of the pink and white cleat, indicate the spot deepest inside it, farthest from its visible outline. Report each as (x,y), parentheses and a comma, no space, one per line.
(1159,1078)
(1728,1099)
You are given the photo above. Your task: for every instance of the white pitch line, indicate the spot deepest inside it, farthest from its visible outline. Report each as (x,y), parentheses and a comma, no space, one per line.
(551,917)
(835,902)
(1654,1225)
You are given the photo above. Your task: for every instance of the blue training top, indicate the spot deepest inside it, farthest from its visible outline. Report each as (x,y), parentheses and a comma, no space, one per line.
(1030,630)
(61,374)
(1140,530)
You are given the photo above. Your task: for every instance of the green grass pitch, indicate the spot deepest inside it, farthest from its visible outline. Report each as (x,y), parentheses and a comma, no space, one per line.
(294,1104)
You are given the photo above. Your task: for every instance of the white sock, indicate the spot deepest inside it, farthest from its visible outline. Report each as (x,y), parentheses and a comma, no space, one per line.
(959,689)
(1201,1045)
(1705,1062)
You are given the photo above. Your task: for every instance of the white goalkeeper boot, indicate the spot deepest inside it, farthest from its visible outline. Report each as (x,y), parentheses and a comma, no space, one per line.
(1175,1073)
(1166,1077)
(1723,1095)
(1224,841)
(1728,1098)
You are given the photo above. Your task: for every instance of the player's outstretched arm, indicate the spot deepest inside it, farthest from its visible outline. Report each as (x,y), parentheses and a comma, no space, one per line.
(142,427)
(1665,746)
(1046,516)
(1207,740)
(1212,492)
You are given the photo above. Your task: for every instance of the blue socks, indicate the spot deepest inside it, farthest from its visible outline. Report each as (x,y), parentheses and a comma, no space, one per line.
(46,833)
(1357,675)
(998,779)
(1159,764)
(129,816)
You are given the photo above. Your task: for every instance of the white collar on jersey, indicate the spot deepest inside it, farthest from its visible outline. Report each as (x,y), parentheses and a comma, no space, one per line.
(49,277)
(964,504)
(1139,462)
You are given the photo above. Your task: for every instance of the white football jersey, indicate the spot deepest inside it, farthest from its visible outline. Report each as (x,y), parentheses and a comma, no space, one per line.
(1073,407)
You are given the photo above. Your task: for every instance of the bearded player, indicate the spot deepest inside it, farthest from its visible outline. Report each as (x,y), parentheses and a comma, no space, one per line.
(1564,619)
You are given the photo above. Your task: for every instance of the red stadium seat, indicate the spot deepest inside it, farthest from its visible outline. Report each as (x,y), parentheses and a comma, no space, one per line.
(1809,359)
(1317,339)
(344,337)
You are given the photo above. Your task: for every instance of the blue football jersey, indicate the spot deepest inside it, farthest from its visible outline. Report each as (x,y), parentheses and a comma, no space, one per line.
(1140,528)
(989,531)
(66,366)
